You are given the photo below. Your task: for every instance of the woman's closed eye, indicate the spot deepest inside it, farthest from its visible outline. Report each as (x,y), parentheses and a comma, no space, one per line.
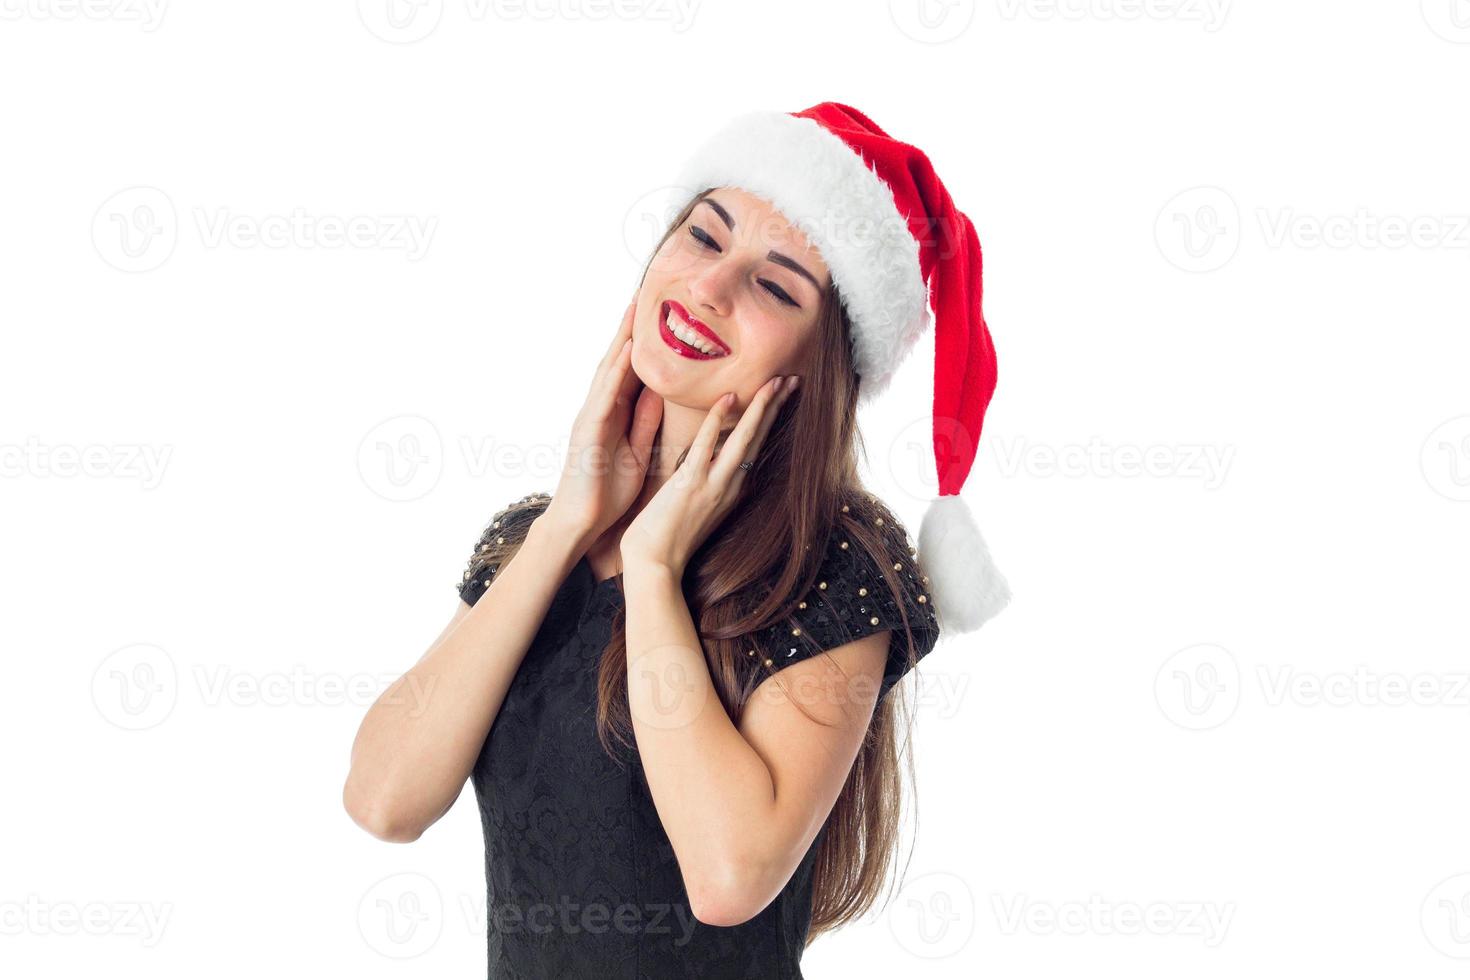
(702,240)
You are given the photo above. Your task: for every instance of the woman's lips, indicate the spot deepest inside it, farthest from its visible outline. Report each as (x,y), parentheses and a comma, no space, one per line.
(677,345)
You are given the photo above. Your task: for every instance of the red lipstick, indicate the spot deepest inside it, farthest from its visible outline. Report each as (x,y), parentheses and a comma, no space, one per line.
(702,329)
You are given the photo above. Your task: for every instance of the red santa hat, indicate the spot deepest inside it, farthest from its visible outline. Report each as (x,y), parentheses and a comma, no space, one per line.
(894,242)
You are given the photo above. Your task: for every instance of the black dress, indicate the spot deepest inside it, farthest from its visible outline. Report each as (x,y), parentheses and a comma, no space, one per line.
(581,880)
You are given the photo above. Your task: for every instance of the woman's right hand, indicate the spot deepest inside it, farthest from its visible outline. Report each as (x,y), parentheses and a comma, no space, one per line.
(610,444)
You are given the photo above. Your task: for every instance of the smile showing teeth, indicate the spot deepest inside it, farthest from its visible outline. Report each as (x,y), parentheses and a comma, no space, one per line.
(691,336)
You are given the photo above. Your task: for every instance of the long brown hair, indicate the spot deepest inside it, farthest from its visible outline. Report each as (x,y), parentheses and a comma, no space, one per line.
(750,573)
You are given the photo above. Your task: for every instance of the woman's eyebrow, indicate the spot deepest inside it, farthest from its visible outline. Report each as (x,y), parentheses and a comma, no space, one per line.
(773,255)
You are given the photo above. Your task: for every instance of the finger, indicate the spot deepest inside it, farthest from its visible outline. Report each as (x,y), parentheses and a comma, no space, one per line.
(625,330)
(703,446)
(609,356)
(646,417)
(608,396)
(755,421)
(768,421)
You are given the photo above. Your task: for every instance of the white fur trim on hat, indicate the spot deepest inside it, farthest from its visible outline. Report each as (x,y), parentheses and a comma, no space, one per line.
(846,211)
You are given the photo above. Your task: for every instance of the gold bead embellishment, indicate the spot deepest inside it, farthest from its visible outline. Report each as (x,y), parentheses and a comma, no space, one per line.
(844,508)
(801,605)
(898,566)
(822,585)
(796,632)
(863,590)
(844,546)
(923,599)
(750,653)
(768,661)
(500,541)
(874,620)
(879,522)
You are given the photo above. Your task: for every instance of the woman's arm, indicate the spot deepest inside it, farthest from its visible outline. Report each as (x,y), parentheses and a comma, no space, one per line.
(740,808)
(419,741)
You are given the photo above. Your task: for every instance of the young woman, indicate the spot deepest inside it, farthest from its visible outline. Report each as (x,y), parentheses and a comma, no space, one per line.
(667,680)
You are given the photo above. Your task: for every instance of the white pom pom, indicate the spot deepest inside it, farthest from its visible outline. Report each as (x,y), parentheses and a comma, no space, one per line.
(968,589)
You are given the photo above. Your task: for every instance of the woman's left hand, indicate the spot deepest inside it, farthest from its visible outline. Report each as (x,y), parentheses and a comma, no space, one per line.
(693,501)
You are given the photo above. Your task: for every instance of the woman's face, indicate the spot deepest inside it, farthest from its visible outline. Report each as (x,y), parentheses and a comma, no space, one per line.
(737,269)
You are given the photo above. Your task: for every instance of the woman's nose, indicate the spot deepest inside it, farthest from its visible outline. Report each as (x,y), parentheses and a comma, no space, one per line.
(710,286)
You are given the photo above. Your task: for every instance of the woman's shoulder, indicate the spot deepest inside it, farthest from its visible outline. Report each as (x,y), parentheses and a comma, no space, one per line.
(502,534)
(869,578)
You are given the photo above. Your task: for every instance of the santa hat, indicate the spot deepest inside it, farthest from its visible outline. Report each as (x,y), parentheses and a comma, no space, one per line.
(894,241)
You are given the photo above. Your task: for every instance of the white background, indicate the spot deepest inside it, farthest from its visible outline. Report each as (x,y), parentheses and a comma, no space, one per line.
(1227,467)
